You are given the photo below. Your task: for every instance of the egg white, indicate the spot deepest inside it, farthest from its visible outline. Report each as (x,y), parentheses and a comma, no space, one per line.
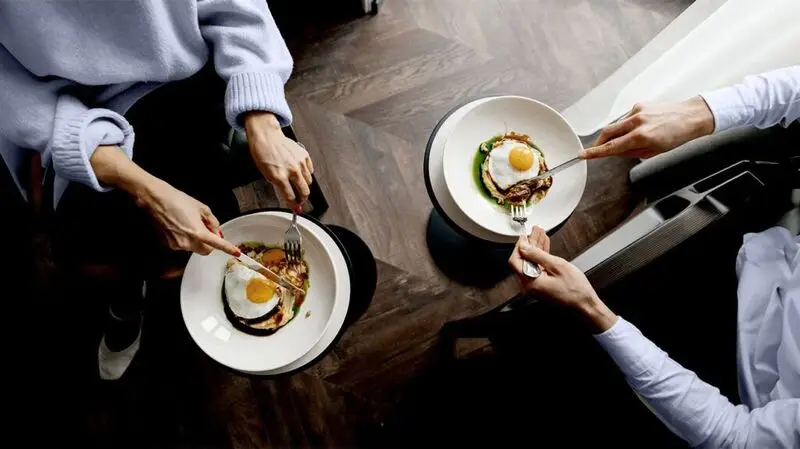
(502,172)
(236,277)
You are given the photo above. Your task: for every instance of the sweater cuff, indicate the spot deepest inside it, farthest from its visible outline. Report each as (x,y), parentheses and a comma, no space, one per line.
(256,91)
(76,140)
(727,107)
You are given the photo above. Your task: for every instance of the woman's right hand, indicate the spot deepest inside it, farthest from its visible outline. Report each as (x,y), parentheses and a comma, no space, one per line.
(187,224)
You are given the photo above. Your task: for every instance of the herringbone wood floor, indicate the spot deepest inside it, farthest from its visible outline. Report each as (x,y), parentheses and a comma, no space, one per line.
(366,93)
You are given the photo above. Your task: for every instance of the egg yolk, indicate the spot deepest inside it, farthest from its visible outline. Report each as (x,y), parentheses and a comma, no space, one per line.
(520,158)
(259,290)
(272,256)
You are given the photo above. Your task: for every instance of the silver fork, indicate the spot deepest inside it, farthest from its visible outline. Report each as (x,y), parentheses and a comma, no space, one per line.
(292,240)
(519,214)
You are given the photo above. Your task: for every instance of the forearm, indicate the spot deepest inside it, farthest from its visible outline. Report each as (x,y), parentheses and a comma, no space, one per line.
(112,167)
(695,410)
(597,315)
(761,100)
(250,56)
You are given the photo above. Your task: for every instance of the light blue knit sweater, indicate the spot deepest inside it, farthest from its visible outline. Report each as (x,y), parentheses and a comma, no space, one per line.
(69,69)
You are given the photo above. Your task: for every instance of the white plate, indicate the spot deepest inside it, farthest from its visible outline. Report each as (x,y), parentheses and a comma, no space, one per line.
(439,188)
(202,309)
(341,304)
(547,129)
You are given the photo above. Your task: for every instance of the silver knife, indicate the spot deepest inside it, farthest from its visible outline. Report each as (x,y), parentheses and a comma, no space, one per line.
(557,169)
(269,274)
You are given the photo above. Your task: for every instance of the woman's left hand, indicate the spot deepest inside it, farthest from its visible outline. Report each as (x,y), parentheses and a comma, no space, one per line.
(282,161)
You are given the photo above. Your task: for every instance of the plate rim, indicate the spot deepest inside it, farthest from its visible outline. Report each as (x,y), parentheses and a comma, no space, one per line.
(233,329)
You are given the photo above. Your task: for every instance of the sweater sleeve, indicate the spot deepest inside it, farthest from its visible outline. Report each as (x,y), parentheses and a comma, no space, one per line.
(250,56)
(37,114)
(761,100)
(691,408)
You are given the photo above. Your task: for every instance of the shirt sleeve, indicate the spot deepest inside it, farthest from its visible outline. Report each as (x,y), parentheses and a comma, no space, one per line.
(761,100)
(249,54)
(37,114)
(693,409)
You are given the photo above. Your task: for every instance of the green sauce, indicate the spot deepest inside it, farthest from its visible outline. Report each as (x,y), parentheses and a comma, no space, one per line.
(477,175)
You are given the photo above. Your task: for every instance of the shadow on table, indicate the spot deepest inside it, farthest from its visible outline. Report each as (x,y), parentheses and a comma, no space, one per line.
(542,384)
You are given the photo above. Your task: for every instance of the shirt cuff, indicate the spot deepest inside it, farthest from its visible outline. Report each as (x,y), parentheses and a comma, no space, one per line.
(256,91)
(76,140)
(635,355)
(728,108)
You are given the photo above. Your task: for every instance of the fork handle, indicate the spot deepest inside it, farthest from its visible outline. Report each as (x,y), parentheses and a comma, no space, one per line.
(531,270)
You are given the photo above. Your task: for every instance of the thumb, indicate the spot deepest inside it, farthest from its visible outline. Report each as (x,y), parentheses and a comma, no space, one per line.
(537,255)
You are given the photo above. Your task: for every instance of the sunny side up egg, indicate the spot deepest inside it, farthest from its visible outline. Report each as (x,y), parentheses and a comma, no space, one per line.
(512,162)
(250,294)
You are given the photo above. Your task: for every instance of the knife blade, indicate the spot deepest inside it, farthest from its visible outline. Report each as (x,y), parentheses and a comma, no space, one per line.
(269,274)
(557,169)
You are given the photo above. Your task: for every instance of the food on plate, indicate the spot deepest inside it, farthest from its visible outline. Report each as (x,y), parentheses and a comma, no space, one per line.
(256,305)
(505,166)
(250,295)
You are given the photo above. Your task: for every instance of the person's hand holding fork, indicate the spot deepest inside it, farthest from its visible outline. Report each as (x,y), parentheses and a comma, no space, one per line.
(560,281)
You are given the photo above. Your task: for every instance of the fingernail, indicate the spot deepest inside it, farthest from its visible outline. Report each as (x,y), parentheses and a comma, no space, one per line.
(525,247)
(298,209)
(220,233)
(237,254)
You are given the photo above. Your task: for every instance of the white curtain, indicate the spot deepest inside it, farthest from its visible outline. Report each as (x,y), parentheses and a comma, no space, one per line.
(739,38)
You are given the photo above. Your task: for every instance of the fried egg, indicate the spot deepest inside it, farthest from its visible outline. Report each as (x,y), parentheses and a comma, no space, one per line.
(250,295)
(512,162)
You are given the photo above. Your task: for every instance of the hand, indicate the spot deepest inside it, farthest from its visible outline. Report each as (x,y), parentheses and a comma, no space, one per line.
(281,160)
(186,223)
(560,281)
(652,129)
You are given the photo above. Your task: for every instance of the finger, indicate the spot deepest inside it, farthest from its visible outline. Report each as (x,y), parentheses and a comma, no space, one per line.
(201,248)
(310,165)
(537,255)
(300,186)
(641,153)
(285,187)
(217,242)
(616,146)
(615,130)
(306,172)
(211,222)
(515,261)
(539,238)
(545,242)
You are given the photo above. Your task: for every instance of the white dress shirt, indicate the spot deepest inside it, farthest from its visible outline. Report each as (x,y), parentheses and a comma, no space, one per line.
(768,331)
(761,100)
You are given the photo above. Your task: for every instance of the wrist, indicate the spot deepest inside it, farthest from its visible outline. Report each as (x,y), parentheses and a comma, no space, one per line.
(597,315)
(112,167)
(261,120)
(701,118)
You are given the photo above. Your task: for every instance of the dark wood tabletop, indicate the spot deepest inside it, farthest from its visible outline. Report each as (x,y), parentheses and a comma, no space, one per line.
(366,94)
